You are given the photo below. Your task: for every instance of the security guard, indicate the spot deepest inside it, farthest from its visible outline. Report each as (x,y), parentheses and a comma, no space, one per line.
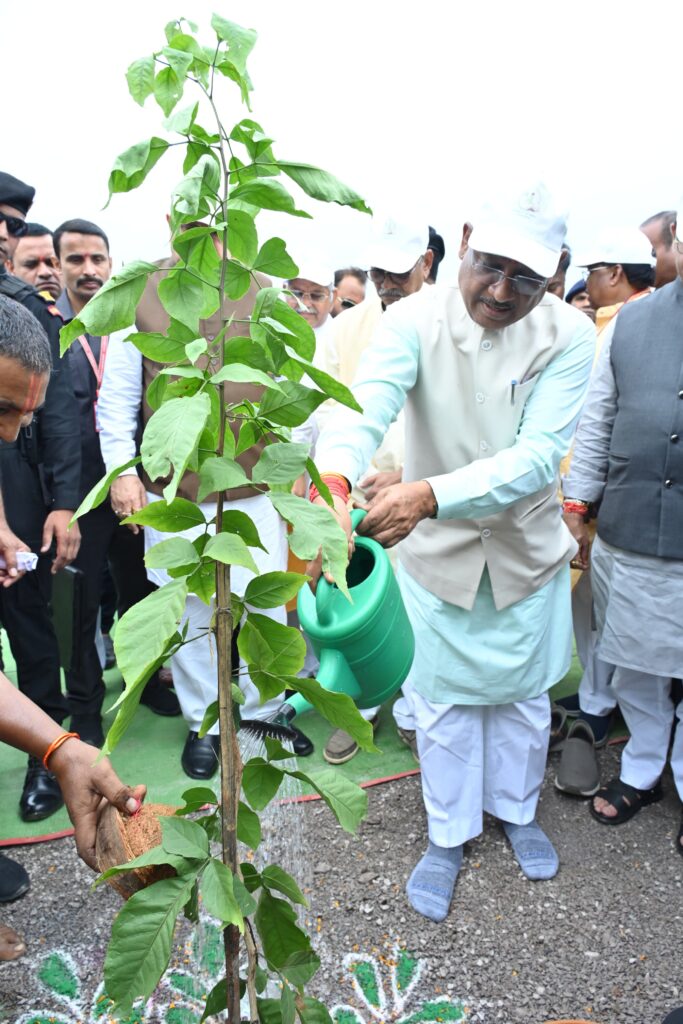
(40,489)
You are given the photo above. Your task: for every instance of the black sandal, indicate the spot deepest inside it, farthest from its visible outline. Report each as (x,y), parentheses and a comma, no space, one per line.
(627,800)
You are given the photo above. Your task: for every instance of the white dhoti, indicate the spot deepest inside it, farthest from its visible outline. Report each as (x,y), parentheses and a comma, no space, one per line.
(194,665)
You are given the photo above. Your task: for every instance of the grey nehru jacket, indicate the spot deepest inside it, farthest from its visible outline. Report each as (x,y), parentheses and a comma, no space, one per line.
(628,452)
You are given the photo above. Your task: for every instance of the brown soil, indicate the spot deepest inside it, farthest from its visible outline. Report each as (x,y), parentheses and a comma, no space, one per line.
(120,838)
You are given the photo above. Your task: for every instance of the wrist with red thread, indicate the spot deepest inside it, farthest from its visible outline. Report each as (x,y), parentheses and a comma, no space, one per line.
(337,484)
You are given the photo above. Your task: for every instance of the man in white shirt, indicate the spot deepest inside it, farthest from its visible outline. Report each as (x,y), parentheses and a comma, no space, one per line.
(492,373)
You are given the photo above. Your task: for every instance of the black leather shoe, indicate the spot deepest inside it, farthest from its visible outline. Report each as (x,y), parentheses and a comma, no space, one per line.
(109,656)
(41,795)
(159,699)
(89,728)
(200,756)
(301,745)
(13,880)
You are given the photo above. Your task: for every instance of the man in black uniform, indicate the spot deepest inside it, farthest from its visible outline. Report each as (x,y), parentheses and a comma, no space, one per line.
(40,489)
(82,249)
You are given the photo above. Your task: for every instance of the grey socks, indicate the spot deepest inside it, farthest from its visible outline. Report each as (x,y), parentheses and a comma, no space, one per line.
(430,887)
(535,853)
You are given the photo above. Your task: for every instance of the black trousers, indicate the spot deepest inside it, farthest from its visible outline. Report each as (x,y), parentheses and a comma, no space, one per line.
(25,606)
(103,540)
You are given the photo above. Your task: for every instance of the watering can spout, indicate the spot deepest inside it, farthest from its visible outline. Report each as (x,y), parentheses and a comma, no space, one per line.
(334,674)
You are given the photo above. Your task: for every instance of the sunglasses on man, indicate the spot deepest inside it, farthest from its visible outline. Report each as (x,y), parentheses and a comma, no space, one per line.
(16,227)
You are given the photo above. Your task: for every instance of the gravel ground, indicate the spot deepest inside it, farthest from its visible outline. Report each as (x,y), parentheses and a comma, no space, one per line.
(601,941)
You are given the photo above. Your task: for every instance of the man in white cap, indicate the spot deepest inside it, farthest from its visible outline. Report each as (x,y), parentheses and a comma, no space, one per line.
(400,262)
(618,270)
(312,294)
(628,456)
(492,373)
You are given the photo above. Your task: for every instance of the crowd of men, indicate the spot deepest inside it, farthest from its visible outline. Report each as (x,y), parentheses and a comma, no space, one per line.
(519,451)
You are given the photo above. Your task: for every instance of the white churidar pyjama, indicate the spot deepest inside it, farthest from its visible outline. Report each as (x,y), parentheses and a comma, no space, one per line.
(596,694)
(194,666)
(480,758)
(645,702)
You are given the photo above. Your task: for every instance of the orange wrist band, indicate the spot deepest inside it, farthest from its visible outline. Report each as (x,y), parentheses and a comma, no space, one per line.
(56,744)
(337,476)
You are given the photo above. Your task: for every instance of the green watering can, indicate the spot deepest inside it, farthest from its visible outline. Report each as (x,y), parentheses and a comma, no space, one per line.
(365,648)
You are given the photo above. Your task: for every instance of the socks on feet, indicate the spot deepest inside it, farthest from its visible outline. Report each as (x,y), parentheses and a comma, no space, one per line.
(430,887)
(535,853)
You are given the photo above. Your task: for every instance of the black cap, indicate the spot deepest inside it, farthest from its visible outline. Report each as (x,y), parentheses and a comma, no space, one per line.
(15,193)
(436,244)
(580,286)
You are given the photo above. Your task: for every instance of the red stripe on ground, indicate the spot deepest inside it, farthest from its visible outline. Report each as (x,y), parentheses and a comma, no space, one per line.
(26,840)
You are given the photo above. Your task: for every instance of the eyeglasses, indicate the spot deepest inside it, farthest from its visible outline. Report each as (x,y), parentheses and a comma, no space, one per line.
(521,284)
(347,303)
(587,271)
(377,274)
(16,227)
(313,296)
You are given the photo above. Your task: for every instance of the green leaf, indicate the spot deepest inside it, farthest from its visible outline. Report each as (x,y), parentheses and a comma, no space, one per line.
(171,437)
(313,1012)
(274,259)
(250,433)
(196,798)
(168,517)
(338,708)
(196,247)
(175,553)
(157,855)
(287,1005)
(231,550)
(143,633)
(99,492)
(242,237)
(323,489)
(182,120)
(288,325)
(275,750)
(334,388)
(216,1001)
(250,876)
(217,893)
(159,347)
(275,878)
(211,714)
(168,89)
(238,522)
(240,373)
(219,473)
(260,782)
(140,946)
(300,967)
(277,928)
(184,838)
(266,194)
(237,280)
(292,405)
(273,589)
(347,801)
(314,528)
(245,900)
(132,167)
(281,463)
(271,646)
(189,197)
(156,392)
(186,298)
(244,350)
(140,78)
(179,60)
(112,307)
(240,40)
(202,582)
(269,1011)
(248,826)
(195,349)
(322,185)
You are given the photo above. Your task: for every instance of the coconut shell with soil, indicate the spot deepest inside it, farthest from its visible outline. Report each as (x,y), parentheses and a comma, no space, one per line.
(122,837)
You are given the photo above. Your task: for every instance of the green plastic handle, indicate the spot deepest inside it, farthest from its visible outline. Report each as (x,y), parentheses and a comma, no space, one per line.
(325,591)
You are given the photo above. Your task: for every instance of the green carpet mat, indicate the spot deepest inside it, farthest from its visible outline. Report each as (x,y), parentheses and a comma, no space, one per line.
(150,753)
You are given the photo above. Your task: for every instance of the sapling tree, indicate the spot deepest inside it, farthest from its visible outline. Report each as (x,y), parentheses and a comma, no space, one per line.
(229,176)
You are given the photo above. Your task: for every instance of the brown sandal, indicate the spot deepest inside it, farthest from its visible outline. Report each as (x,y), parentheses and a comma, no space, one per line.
(12,946)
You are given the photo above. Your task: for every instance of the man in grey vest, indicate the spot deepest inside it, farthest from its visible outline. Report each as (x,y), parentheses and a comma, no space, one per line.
(492,373)
(628,457)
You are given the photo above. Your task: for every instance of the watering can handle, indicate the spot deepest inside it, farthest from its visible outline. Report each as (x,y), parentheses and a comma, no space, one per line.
(325,591)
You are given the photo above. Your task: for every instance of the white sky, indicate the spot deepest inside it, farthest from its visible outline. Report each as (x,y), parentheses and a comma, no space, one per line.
(420,107)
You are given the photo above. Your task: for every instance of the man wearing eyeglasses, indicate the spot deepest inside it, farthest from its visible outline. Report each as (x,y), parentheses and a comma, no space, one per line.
(492,372)
(628,458)
(349,283)
(40,490)
(34,262)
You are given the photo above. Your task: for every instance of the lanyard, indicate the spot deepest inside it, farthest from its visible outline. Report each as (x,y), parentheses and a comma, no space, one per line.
(97,367)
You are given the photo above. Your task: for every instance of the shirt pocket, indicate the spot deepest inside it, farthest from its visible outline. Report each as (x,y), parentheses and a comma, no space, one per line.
(520,392)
